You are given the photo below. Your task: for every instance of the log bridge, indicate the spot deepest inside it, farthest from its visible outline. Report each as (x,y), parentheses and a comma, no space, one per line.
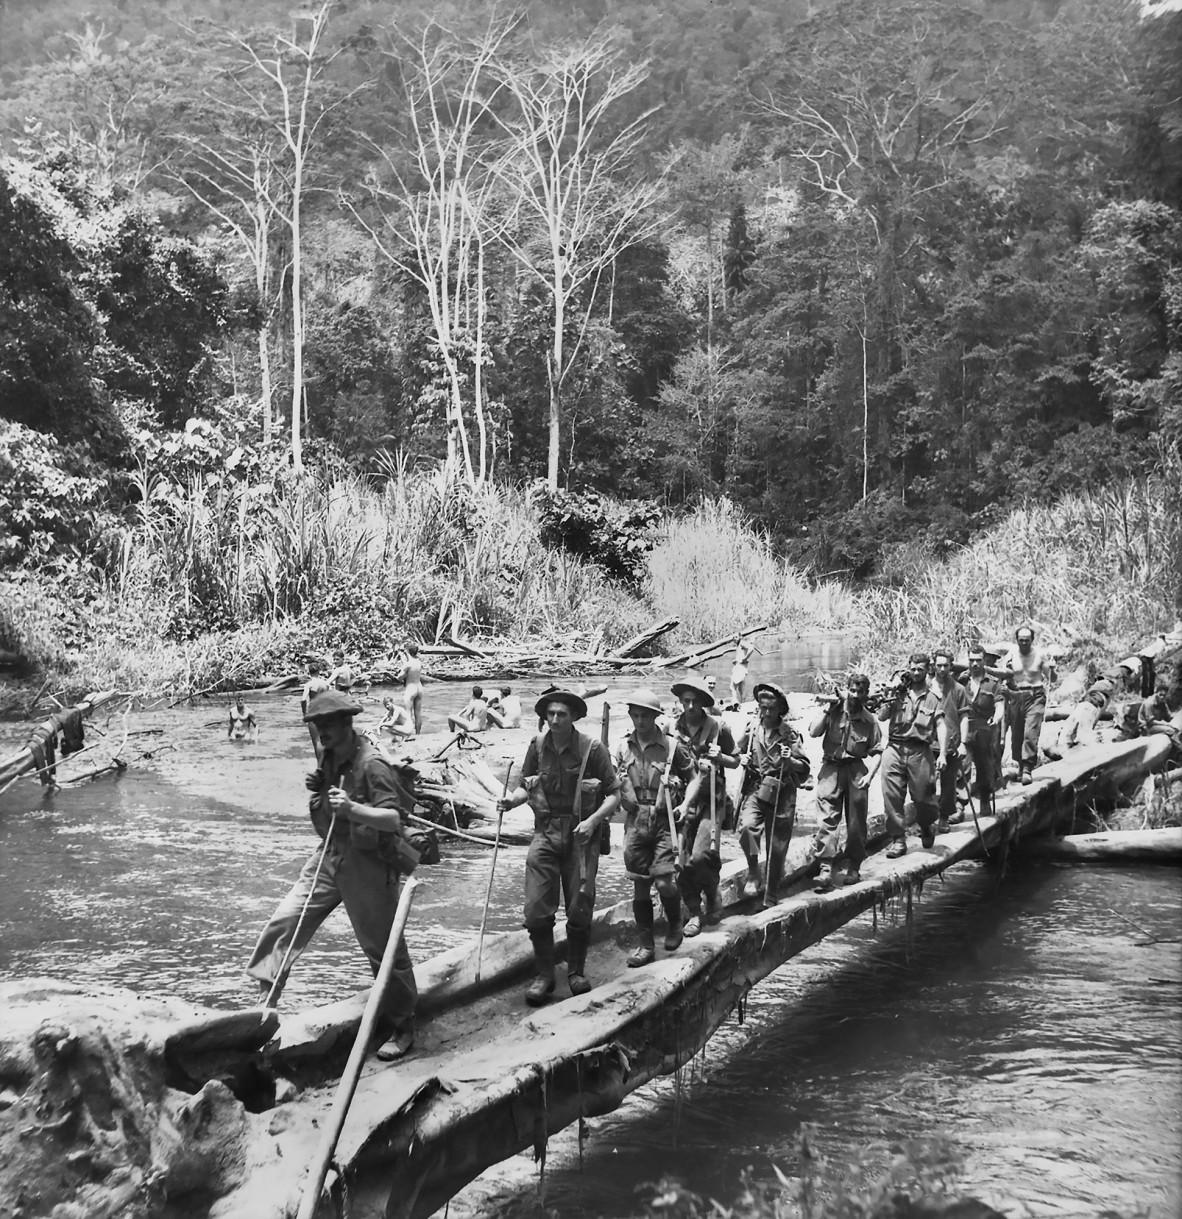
(218,1114)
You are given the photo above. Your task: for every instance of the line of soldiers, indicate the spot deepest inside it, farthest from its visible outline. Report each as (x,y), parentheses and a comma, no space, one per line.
(672,788)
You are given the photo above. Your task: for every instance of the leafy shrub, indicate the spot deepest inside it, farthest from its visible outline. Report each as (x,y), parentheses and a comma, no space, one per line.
(616,536)
(43,506)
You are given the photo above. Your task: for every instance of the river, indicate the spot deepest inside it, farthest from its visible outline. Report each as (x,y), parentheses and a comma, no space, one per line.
(1024,1018)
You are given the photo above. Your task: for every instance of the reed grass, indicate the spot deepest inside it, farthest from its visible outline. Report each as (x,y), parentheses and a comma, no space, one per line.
(718,573)
(1097,571)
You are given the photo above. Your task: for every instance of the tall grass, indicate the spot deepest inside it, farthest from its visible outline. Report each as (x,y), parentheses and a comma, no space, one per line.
(1102,566)
(718,573)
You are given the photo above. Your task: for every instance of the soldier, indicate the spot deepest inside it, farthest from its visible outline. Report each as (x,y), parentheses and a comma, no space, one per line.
(571,785)
(955,705)
(916,719)
(850,735)
(711,744)
(986,710)
(775,766)
(657,781)
(356,805)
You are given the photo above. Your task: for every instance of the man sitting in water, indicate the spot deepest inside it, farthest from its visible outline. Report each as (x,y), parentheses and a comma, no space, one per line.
(504,709)
(397,721)
(242,723)
(474,717)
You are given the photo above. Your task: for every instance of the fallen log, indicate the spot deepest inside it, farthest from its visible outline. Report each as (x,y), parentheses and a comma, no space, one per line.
(1111,846)
(24,761)
(645,637)
(697,655)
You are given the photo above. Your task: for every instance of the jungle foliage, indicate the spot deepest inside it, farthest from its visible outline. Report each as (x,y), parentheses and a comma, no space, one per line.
(870,272)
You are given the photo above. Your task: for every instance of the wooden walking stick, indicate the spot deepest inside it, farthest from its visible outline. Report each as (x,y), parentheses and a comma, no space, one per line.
(492,872)
(715,824)
(352,1073)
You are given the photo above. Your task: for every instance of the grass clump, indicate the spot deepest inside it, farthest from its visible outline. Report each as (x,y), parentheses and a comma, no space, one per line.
(1097,572)
(718,573)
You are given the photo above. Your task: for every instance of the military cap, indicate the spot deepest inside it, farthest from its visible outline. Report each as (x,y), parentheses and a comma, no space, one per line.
(324,703)
(569,698)
(695,684)
(645,698)
(773,689)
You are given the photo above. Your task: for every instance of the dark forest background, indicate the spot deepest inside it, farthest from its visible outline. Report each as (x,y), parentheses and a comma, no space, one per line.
(892,268)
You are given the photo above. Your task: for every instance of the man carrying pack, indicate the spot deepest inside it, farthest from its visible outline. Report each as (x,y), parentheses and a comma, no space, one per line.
(775,767)
(712,746)
(849,736)
(655,771)
(986,709)
(916,720)
(570,783)
(954,702)
(356,805)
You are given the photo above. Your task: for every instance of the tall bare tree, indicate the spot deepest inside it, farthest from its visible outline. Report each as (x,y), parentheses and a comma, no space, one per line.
(435,218)
(281,88)
(568,174)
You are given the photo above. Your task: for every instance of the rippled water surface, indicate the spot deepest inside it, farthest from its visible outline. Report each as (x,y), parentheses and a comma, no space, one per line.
(1025,1017)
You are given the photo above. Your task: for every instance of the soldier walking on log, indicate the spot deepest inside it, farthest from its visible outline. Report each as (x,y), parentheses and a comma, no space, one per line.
(916,721)
(656,771)
(955,705)
(849,736)
(986,707)
(1030,672)
(356,805)
(711,744)
(775,767)
(570,783)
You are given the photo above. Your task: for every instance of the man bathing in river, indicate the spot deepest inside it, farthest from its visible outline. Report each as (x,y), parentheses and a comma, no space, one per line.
(242,723)
(397,721)
(356,806)
(411,673)
(570,783)
(474,717)
(775,767)
(655,771)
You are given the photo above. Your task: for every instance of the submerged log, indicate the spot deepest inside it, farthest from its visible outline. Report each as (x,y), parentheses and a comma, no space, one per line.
(1112,846)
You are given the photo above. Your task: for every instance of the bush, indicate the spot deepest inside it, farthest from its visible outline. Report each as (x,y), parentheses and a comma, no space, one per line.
(43,506)
(615,536)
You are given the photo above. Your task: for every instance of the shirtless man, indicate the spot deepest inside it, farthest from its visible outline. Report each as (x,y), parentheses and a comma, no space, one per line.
(743,653)
(242,723)
(341,677)
(1030,672)
(412,676)
(397,721)
(504,708)
(474,717)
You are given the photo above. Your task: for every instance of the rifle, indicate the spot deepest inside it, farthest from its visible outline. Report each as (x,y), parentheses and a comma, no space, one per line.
(663,791)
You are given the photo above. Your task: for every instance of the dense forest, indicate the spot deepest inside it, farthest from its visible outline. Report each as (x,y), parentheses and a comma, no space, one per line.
(871,271)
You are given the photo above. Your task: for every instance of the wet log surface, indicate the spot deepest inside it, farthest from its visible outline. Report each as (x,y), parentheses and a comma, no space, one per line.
(115,1104)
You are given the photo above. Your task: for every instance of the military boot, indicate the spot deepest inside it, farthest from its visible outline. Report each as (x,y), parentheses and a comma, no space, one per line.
(693,924)
(646,951)
(713,908)
(542,987)
(577,940)
(673,929)
(752,885)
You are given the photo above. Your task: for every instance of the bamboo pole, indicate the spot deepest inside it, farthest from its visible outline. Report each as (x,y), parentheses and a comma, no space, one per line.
(348,1084)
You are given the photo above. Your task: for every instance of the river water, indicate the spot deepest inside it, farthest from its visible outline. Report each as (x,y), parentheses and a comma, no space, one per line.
(1024,1017)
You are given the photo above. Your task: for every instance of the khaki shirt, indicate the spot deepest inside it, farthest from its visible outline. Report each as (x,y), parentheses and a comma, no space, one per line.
(640,768)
